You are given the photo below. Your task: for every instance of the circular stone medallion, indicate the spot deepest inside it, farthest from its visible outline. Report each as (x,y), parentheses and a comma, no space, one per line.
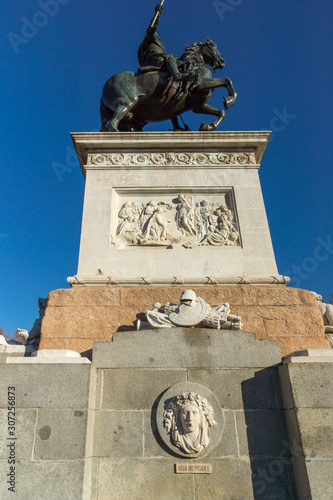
(190,420)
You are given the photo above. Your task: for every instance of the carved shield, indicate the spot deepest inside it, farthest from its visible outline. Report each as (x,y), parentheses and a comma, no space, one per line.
(189,315)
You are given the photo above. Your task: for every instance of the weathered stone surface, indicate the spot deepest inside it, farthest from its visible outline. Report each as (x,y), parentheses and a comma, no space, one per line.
(262,433)
(316,428)
(229,446)
(296,379)
(77,344)
(242,388)
(75,318)
(135,389)
(290,344)
(45,480)
(231,479)
(81,321)
(273,478)
(186,347)
(148,480)
(153,444)
(159,482)
(320,474)
(60,434)
(83,296)
(25,424)
(118,434)
(42,385)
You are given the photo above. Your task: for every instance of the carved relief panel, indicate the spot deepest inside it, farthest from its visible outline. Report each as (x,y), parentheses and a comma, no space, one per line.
(186,219)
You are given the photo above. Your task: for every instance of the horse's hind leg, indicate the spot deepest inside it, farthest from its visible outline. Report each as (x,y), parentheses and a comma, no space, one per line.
(206,109)
(120,112)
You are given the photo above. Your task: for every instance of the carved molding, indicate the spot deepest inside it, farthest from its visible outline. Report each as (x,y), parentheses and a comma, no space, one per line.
(174,280)
(171,159)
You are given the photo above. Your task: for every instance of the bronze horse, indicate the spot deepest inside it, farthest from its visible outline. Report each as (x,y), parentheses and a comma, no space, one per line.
(132,100)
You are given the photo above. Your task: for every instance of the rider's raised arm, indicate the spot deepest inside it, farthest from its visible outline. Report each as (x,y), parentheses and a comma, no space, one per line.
(156,19)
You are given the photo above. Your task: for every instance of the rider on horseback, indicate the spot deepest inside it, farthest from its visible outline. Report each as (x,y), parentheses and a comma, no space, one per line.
(152,54)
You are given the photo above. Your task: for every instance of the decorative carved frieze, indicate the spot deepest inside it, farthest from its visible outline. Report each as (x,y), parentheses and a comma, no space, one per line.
(182,221)
(172,159)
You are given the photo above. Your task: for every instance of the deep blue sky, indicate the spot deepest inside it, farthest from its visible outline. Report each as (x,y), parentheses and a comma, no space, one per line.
(279,56)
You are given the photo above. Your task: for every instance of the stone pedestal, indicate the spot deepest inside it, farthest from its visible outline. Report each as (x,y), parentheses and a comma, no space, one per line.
(169,211)
(166,208)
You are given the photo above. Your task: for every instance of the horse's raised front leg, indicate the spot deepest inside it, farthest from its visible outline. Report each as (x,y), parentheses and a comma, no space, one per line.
(214,83)
(206,109)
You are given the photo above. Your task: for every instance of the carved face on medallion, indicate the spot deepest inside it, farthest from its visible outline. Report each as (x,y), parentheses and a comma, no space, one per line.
(190,419)
(187,419)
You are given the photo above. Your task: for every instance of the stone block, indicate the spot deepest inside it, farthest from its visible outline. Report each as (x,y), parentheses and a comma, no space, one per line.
(118,434)
(315,353)
(79,322)
(242,388)
(273,478)
(135,389)
(90,486)
(284,322)
(316,429)
(55,353)
(320,474)
(188,348)
(231,479)
(262,433)
(83,296)
(228,446)
(154,447)
(307,359)
(77,344)
(290,344)
(45,360)
(44,480)
(60,434)
(296,379)
(25,424)
(46,385)
(273,296)
(143,479)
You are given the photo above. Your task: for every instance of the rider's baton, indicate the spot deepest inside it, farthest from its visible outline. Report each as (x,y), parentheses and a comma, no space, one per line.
(152,24)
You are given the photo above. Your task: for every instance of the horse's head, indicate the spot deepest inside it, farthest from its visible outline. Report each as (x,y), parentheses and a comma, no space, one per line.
(211,55)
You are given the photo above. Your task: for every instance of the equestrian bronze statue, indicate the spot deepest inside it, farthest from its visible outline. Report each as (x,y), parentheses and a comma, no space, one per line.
(164,86)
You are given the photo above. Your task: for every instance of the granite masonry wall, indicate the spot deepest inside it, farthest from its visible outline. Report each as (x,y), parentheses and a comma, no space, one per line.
(88,431)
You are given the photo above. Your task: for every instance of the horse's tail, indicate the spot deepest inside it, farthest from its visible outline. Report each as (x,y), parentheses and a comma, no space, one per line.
(106,115)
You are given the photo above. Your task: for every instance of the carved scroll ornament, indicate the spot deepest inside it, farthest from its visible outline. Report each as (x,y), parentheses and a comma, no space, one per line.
(165,159)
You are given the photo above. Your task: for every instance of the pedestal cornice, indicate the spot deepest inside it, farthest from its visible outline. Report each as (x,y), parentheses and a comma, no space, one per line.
(244,149)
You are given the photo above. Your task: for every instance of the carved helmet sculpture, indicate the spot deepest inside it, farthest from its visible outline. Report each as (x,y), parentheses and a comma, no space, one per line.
(188,295)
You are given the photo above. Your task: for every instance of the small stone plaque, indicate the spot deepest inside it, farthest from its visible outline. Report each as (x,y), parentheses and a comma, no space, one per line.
(194,469)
